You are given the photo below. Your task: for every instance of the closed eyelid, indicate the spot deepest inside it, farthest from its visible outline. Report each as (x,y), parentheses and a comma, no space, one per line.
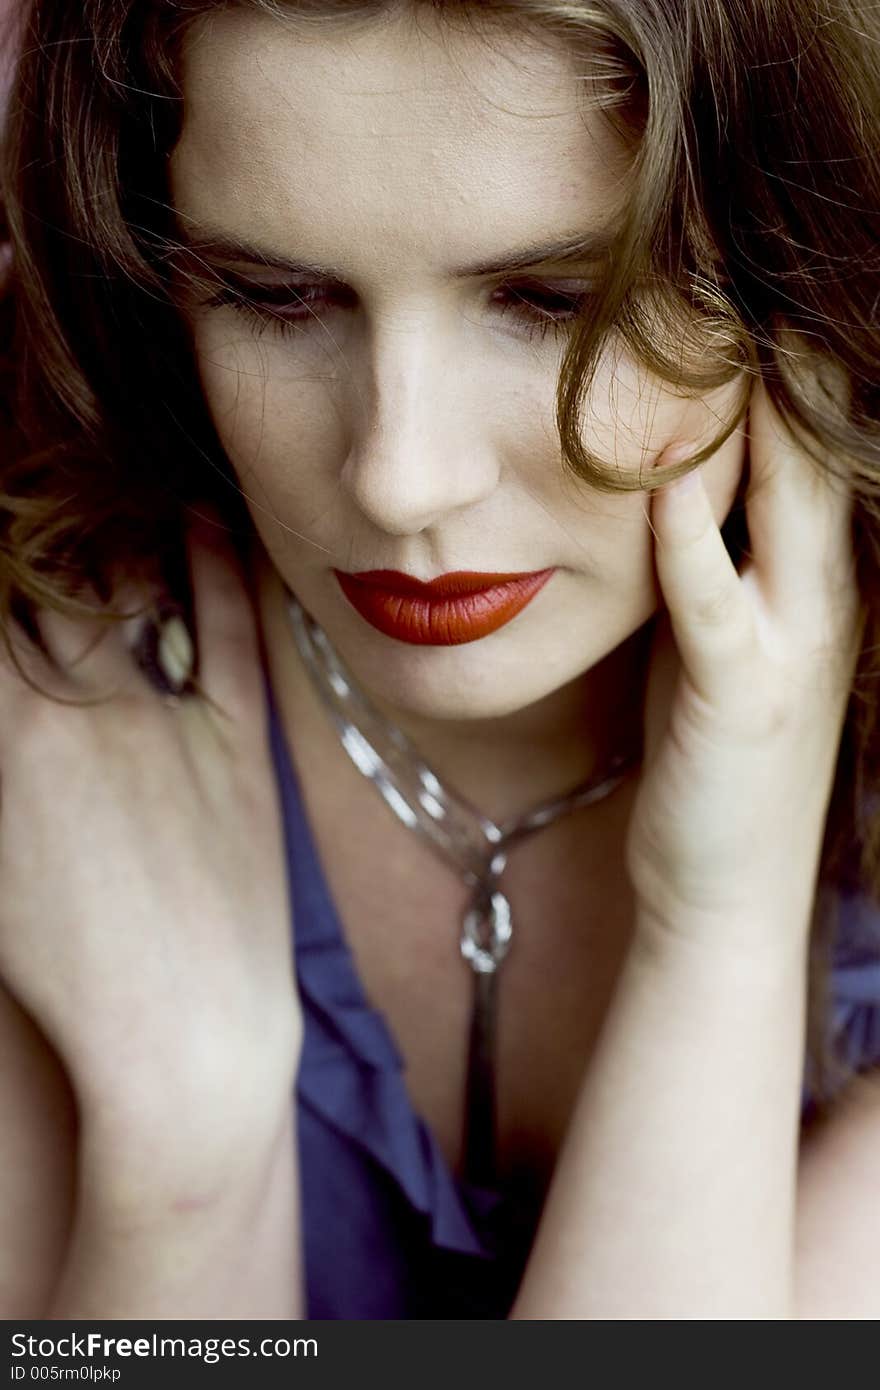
(547,283)
(273,291)
(289,309)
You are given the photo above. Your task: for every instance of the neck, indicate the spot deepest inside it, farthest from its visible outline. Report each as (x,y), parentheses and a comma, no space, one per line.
(504,766)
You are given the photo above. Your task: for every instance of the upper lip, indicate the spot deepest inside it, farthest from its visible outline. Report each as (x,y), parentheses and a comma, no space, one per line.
(449,585)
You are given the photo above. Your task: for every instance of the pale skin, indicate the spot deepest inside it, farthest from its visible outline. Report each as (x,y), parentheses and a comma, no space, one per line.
(409,429)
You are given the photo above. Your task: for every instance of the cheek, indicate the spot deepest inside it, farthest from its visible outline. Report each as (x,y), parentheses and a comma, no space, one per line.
(234,388)
(628,422)
(631,416)
(266,413)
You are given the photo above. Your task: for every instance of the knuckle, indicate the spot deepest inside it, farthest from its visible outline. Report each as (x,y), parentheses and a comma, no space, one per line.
(773,715)
(758,714)
(716,606)
(770,702)
(834,630)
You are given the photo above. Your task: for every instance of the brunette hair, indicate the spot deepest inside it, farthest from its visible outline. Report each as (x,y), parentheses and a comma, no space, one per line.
(751,240)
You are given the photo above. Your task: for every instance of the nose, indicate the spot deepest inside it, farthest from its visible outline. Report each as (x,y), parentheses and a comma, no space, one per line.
(424,447)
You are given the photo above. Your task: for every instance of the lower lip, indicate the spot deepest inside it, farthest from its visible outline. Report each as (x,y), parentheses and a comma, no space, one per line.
(441,622)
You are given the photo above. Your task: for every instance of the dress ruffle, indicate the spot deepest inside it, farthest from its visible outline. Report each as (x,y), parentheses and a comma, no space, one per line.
(856,981)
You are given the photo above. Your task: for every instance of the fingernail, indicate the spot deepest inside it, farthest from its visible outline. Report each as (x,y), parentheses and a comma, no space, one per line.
(676,453)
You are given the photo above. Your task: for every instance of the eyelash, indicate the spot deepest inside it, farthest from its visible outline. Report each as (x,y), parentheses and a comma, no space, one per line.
(269,315)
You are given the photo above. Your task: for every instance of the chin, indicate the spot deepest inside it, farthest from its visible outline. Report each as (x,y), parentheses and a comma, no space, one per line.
(455,700)
(492,678)
(545,648)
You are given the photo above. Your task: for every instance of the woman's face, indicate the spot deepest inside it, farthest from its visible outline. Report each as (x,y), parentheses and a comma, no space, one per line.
(406,421)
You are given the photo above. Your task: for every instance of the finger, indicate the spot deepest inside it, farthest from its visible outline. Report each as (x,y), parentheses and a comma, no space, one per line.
(229,668)
(22,663)
(95,657)
(799,517)
(710,611)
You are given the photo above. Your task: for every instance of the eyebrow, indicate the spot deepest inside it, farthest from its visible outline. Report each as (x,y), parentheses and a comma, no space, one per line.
(213,244)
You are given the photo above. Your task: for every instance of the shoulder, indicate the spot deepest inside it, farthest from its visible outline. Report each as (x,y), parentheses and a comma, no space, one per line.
(838,1213)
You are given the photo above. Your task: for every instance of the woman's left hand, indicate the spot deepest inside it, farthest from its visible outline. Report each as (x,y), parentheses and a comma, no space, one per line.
(747,692)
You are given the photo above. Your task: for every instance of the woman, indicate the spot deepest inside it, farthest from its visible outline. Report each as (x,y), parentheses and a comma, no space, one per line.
(304,280)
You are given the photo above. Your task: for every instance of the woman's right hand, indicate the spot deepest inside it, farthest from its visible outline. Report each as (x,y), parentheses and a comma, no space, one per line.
(144,908)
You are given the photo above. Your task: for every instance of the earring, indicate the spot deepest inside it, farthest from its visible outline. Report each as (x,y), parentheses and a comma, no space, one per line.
(164,652)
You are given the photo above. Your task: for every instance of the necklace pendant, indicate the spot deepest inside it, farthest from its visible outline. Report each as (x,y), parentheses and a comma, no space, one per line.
(476,846)
(485,938)
(480,1137)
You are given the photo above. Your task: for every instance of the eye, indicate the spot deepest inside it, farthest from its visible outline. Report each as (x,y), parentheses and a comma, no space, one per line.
(538,308)
(544,308)
(276,309)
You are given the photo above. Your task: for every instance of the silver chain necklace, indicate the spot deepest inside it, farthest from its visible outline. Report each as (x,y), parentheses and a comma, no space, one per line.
(470,842)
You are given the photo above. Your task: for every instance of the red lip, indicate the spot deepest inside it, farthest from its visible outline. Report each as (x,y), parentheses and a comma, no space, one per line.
(454,608)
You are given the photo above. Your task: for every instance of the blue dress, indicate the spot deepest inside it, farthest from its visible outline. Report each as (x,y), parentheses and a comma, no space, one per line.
(388,1231)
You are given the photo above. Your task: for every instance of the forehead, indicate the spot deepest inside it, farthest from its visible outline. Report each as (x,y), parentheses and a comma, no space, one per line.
(394,135)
